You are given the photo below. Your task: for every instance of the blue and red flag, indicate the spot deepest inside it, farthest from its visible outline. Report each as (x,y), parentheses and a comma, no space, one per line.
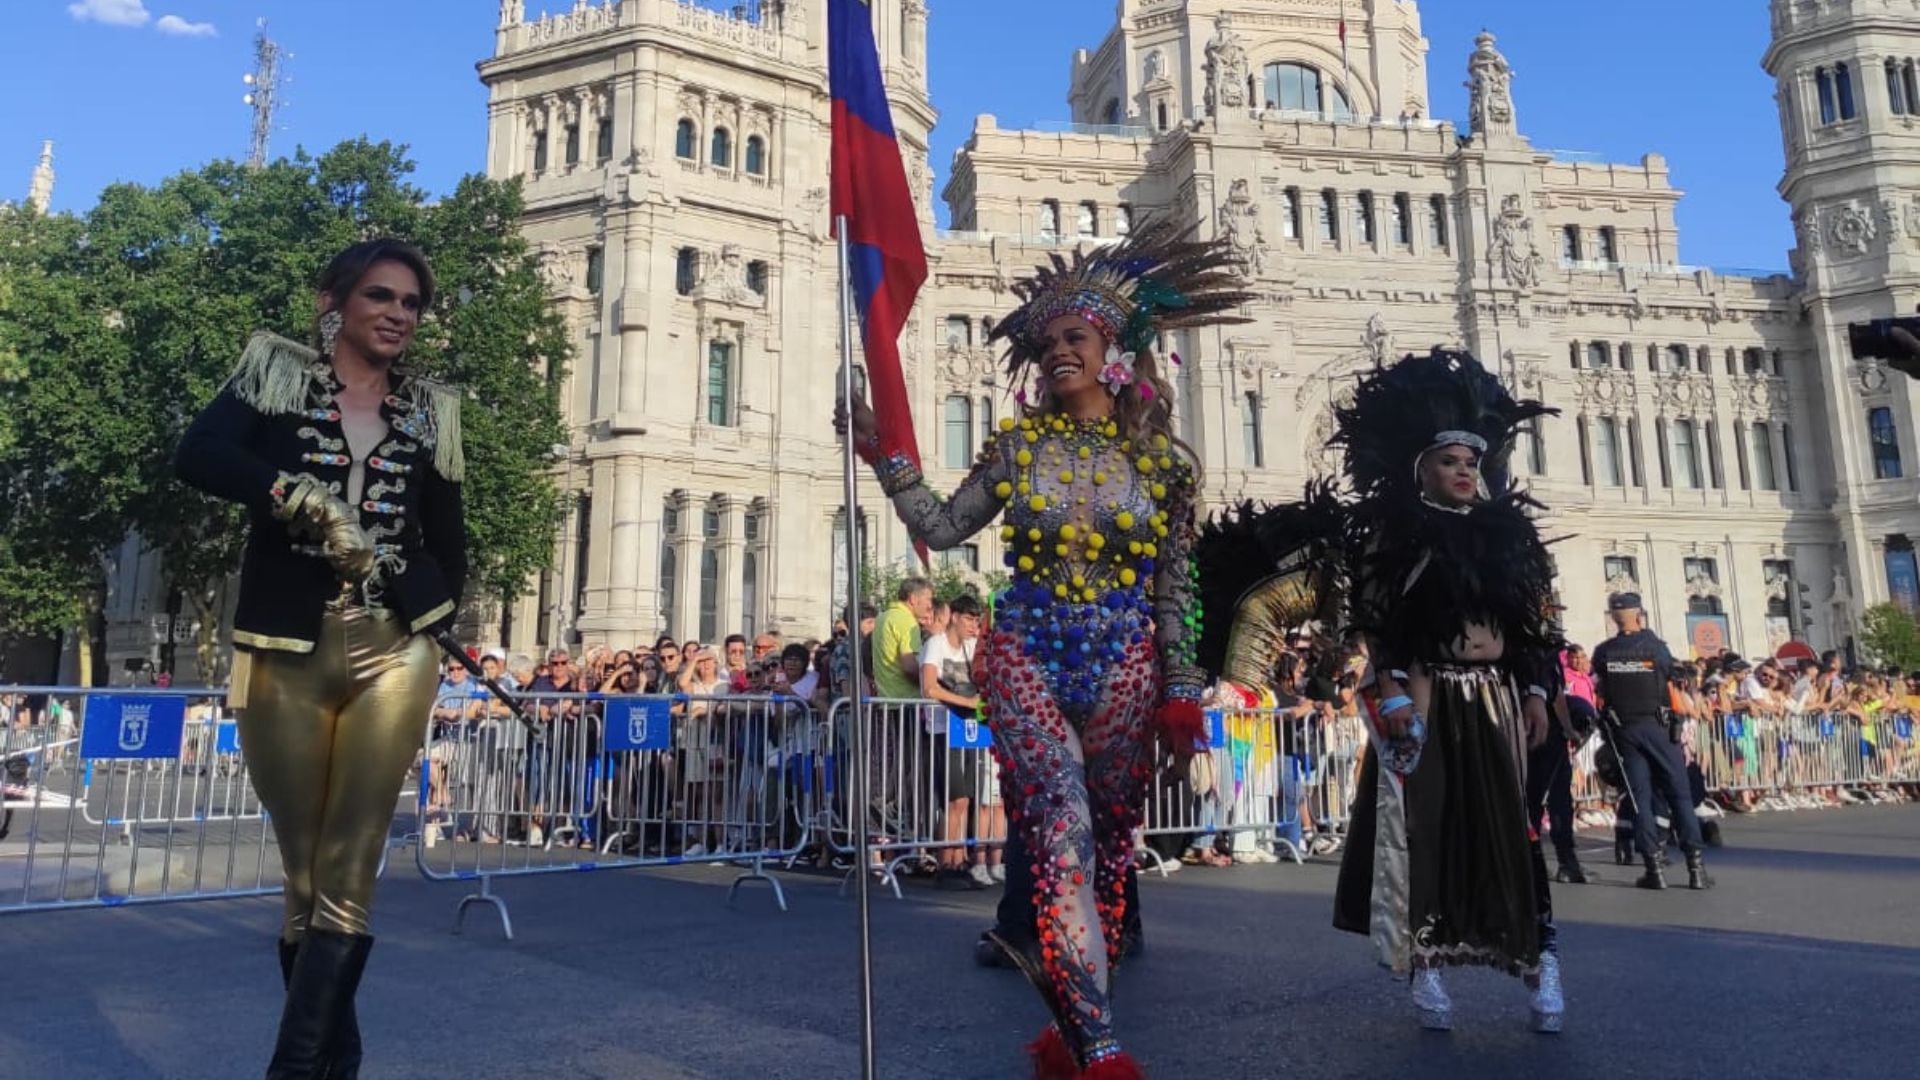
(885,255)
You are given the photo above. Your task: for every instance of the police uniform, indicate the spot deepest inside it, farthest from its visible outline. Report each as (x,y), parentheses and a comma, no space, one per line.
(1630,674)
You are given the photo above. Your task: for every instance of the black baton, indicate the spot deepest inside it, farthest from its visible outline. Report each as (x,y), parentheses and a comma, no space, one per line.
(452,647)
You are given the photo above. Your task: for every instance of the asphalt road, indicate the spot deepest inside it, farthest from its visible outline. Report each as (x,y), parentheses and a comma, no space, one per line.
(1804,963)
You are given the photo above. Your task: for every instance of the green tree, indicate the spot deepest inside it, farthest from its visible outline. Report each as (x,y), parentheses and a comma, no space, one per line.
(139,311)
(1891,636)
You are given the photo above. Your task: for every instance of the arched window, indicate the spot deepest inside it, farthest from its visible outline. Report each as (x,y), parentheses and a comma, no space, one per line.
(684,142)
(1339,105)
(1293,88)
(1843,90)
(722,156)
(958,431)
(959,331)
(686,271)
(756,156)
(1823,82)
(1049,220)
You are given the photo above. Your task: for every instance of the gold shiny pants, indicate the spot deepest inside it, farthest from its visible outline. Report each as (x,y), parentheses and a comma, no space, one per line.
(328,737)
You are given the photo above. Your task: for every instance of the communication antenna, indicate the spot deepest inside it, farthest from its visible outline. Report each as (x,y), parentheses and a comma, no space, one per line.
(265,83)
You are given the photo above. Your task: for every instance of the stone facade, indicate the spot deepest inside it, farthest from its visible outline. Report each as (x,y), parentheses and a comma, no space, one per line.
(1716,446)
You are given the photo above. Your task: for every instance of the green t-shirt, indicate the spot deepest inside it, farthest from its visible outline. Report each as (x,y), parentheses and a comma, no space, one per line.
(896,635)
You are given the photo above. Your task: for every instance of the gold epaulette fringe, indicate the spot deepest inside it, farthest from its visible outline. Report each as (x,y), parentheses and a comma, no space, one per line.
(443,404)
(273,374)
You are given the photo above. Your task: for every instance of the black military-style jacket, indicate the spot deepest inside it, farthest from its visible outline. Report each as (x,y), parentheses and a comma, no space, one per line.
(276,420)
(1630,672)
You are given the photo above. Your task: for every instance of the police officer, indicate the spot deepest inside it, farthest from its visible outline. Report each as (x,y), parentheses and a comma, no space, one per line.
(1630,673)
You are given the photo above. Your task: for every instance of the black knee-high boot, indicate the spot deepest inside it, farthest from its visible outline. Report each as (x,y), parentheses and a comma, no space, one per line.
(343,1060)
(322,980)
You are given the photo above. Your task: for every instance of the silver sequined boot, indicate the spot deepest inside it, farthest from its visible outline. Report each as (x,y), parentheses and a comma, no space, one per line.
(1430,1000)
(1549,1004)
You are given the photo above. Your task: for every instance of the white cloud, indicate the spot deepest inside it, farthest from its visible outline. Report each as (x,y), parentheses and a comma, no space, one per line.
(179,27)
(111,12)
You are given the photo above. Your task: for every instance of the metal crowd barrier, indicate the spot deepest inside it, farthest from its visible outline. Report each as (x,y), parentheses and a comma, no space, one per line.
(613,782)
(933,793)
(143,801)
(1782,761)
(1260,769)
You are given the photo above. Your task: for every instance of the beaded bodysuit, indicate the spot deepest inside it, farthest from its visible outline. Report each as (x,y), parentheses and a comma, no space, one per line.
(1099,534)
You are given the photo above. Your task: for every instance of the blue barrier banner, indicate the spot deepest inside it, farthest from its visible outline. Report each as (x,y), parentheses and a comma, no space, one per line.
(1903,727)
(639,723)
(1827,727)
(226,738)
(966,733)
(1734,727)
(128,726)
(1216,728)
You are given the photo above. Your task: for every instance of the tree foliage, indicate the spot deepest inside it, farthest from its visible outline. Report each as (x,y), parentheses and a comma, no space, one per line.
(1891,636)
(117,327)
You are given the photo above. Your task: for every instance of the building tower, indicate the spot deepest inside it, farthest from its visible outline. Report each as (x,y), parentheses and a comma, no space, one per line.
(1849,101)
(40,191)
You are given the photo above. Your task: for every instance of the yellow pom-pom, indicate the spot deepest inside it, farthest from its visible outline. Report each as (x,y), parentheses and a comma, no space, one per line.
(1023,458)
(1165,463)
(1079,581)
(1068,532)
(1060,550)
(1023,487)
(1066,476)
(1090,596)
(1032,436)
(1026,564)
(1060,591)
(1159,491)
(1152,551)
(1034,535)
(1003,490)
(1128,577)
(1084,453)
(1037,503)
(1110,430)
(1099,478)
(1007,423)
(1006,534)
(1124,520)
(1144,464)
(1160,531)
(1160,442)
(1135,548)
(1096,541)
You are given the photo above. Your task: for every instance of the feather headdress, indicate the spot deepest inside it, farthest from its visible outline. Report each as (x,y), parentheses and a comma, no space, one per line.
(1157,279)
(1401,413)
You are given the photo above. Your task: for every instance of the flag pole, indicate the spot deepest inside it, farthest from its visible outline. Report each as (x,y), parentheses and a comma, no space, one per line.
(857,722)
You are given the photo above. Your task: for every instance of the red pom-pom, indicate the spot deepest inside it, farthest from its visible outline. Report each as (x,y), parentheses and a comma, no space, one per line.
(1051,1058)
(1182,724)
(1117,1067)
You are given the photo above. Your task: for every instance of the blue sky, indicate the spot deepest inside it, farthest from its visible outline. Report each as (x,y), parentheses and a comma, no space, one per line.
(155,88)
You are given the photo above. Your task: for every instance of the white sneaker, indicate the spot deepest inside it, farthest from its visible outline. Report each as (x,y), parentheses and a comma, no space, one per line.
(1430,1001)
(535,837)
(981,875)
(694,851)
(999,873)
(1255,856)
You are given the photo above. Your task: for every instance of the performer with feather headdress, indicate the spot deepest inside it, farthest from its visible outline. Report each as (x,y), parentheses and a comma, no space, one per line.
(1092,650)
(1453,590)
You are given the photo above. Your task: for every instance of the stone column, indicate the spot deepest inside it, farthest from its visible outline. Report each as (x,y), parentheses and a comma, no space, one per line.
(687,547)
(624,540)
(728,604)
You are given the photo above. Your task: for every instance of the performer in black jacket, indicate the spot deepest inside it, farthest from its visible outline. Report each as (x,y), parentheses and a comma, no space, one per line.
(350,467)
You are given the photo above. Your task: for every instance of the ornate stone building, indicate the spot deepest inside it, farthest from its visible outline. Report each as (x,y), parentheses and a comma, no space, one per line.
(1716,448)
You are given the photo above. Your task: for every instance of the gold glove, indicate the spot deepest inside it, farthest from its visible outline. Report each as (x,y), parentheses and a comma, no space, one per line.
(314,513)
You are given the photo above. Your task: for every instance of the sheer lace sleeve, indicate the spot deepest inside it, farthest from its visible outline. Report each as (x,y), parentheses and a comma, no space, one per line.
(945,523)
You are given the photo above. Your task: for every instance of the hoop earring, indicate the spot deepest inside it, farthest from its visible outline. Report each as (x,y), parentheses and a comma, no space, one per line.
(330,324)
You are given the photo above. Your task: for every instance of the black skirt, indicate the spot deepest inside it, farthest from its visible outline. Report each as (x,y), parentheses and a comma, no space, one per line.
(1455,886)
